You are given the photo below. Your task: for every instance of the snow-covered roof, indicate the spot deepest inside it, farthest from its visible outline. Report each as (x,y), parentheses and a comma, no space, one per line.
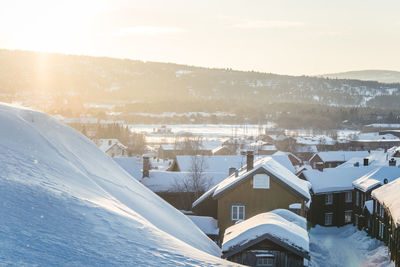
(375,136)
(315,140)
(208,225)
(106,144)
(388,195)
(335,179)
(291,216)
(56,184)
(384,125)
(377,177)
(134,165)
(168,181)
(376,158)
(271,166)
(223,163)
(328,156)
(266,226)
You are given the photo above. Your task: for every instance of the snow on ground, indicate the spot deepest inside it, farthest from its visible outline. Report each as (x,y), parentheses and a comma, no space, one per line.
(64,202)
(346,247)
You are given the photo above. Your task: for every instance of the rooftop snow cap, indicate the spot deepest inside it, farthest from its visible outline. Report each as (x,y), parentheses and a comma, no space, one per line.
(250,160)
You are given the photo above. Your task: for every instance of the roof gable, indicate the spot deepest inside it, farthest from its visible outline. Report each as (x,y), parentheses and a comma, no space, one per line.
(271,167)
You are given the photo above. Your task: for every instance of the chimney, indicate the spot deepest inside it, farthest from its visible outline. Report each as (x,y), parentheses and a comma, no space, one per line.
(146,166)
(250,160)
(365,161)
(320,166)
(232,170)
(236,173)
(392,162)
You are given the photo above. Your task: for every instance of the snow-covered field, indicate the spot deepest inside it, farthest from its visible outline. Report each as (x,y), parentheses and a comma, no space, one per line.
(63,202)
(346,247)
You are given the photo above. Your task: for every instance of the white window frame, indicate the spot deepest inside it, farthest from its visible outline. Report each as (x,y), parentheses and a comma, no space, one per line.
(381,227)
(349,197)
(347,212)
(327,216)
(237,208)
(328,199)
(265,261)
(259,177)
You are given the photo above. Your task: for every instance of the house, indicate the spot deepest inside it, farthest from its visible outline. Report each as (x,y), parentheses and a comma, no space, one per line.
(385,223)
(112,147)
(262,148)
(332,159)
(207,224)
(275,238)
(332,194)
(258,187)
(363,188)
(222,164)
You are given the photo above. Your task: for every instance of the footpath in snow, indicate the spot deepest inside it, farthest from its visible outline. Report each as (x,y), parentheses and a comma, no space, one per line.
(346,246)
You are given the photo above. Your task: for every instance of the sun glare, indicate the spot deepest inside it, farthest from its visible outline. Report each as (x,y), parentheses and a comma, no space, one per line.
(51,27)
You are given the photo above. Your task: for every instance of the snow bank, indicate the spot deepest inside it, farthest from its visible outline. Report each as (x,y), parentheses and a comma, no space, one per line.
(64,201)
(346,246)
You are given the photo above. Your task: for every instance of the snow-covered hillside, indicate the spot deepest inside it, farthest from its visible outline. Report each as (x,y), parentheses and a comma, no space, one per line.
(64,202)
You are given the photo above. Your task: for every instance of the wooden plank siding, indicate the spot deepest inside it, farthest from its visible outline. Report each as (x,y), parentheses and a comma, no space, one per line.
(256,201)
(319,208)
(282,257)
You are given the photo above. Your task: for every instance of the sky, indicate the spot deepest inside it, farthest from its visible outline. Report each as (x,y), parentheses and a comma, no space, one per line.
(306,37)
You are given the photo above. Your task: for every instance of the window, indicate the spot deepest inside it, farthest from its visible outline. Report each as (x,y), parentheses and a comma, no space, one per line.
(357,197)
(261,181)
(238,212)
(349,197)
(328,199)
(381,228)
(328,218)
(265,261)
(347,216)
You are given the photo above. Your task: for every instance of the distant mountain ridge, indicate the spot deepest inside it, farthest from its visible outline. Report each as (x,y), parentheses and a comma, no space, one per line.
(180,87)
(383,76)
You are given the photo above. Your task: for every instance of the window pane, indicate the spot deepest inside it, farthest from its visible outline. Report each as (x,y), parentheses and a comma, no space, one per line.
(241,213)
(234,213)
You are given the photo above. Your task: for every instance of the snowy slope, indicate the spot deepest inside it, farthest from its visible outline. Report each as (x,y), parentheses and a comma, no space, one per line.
(63,201)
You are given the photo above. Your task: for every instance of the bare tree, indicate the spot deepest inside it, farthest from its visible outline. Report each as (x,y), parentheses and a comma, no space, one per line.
(195,183)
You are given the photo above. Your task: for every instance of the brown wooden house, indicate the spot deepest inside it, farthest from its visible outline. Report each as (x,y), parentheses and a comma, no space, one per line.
(332,194)
(385,223)
(252,190)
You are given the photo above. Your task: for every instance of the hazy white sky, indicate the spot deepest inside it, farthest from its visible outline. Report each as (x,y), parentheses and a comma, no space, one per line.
(287,37)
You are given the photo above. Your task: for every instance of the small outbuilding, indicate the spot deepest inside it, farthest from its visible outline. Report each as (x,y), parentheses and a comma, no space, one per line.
(276,238)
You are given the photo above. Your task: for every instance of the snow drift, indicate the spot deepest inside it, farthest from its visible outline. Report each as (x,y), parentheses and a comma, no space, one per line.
(63,201)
